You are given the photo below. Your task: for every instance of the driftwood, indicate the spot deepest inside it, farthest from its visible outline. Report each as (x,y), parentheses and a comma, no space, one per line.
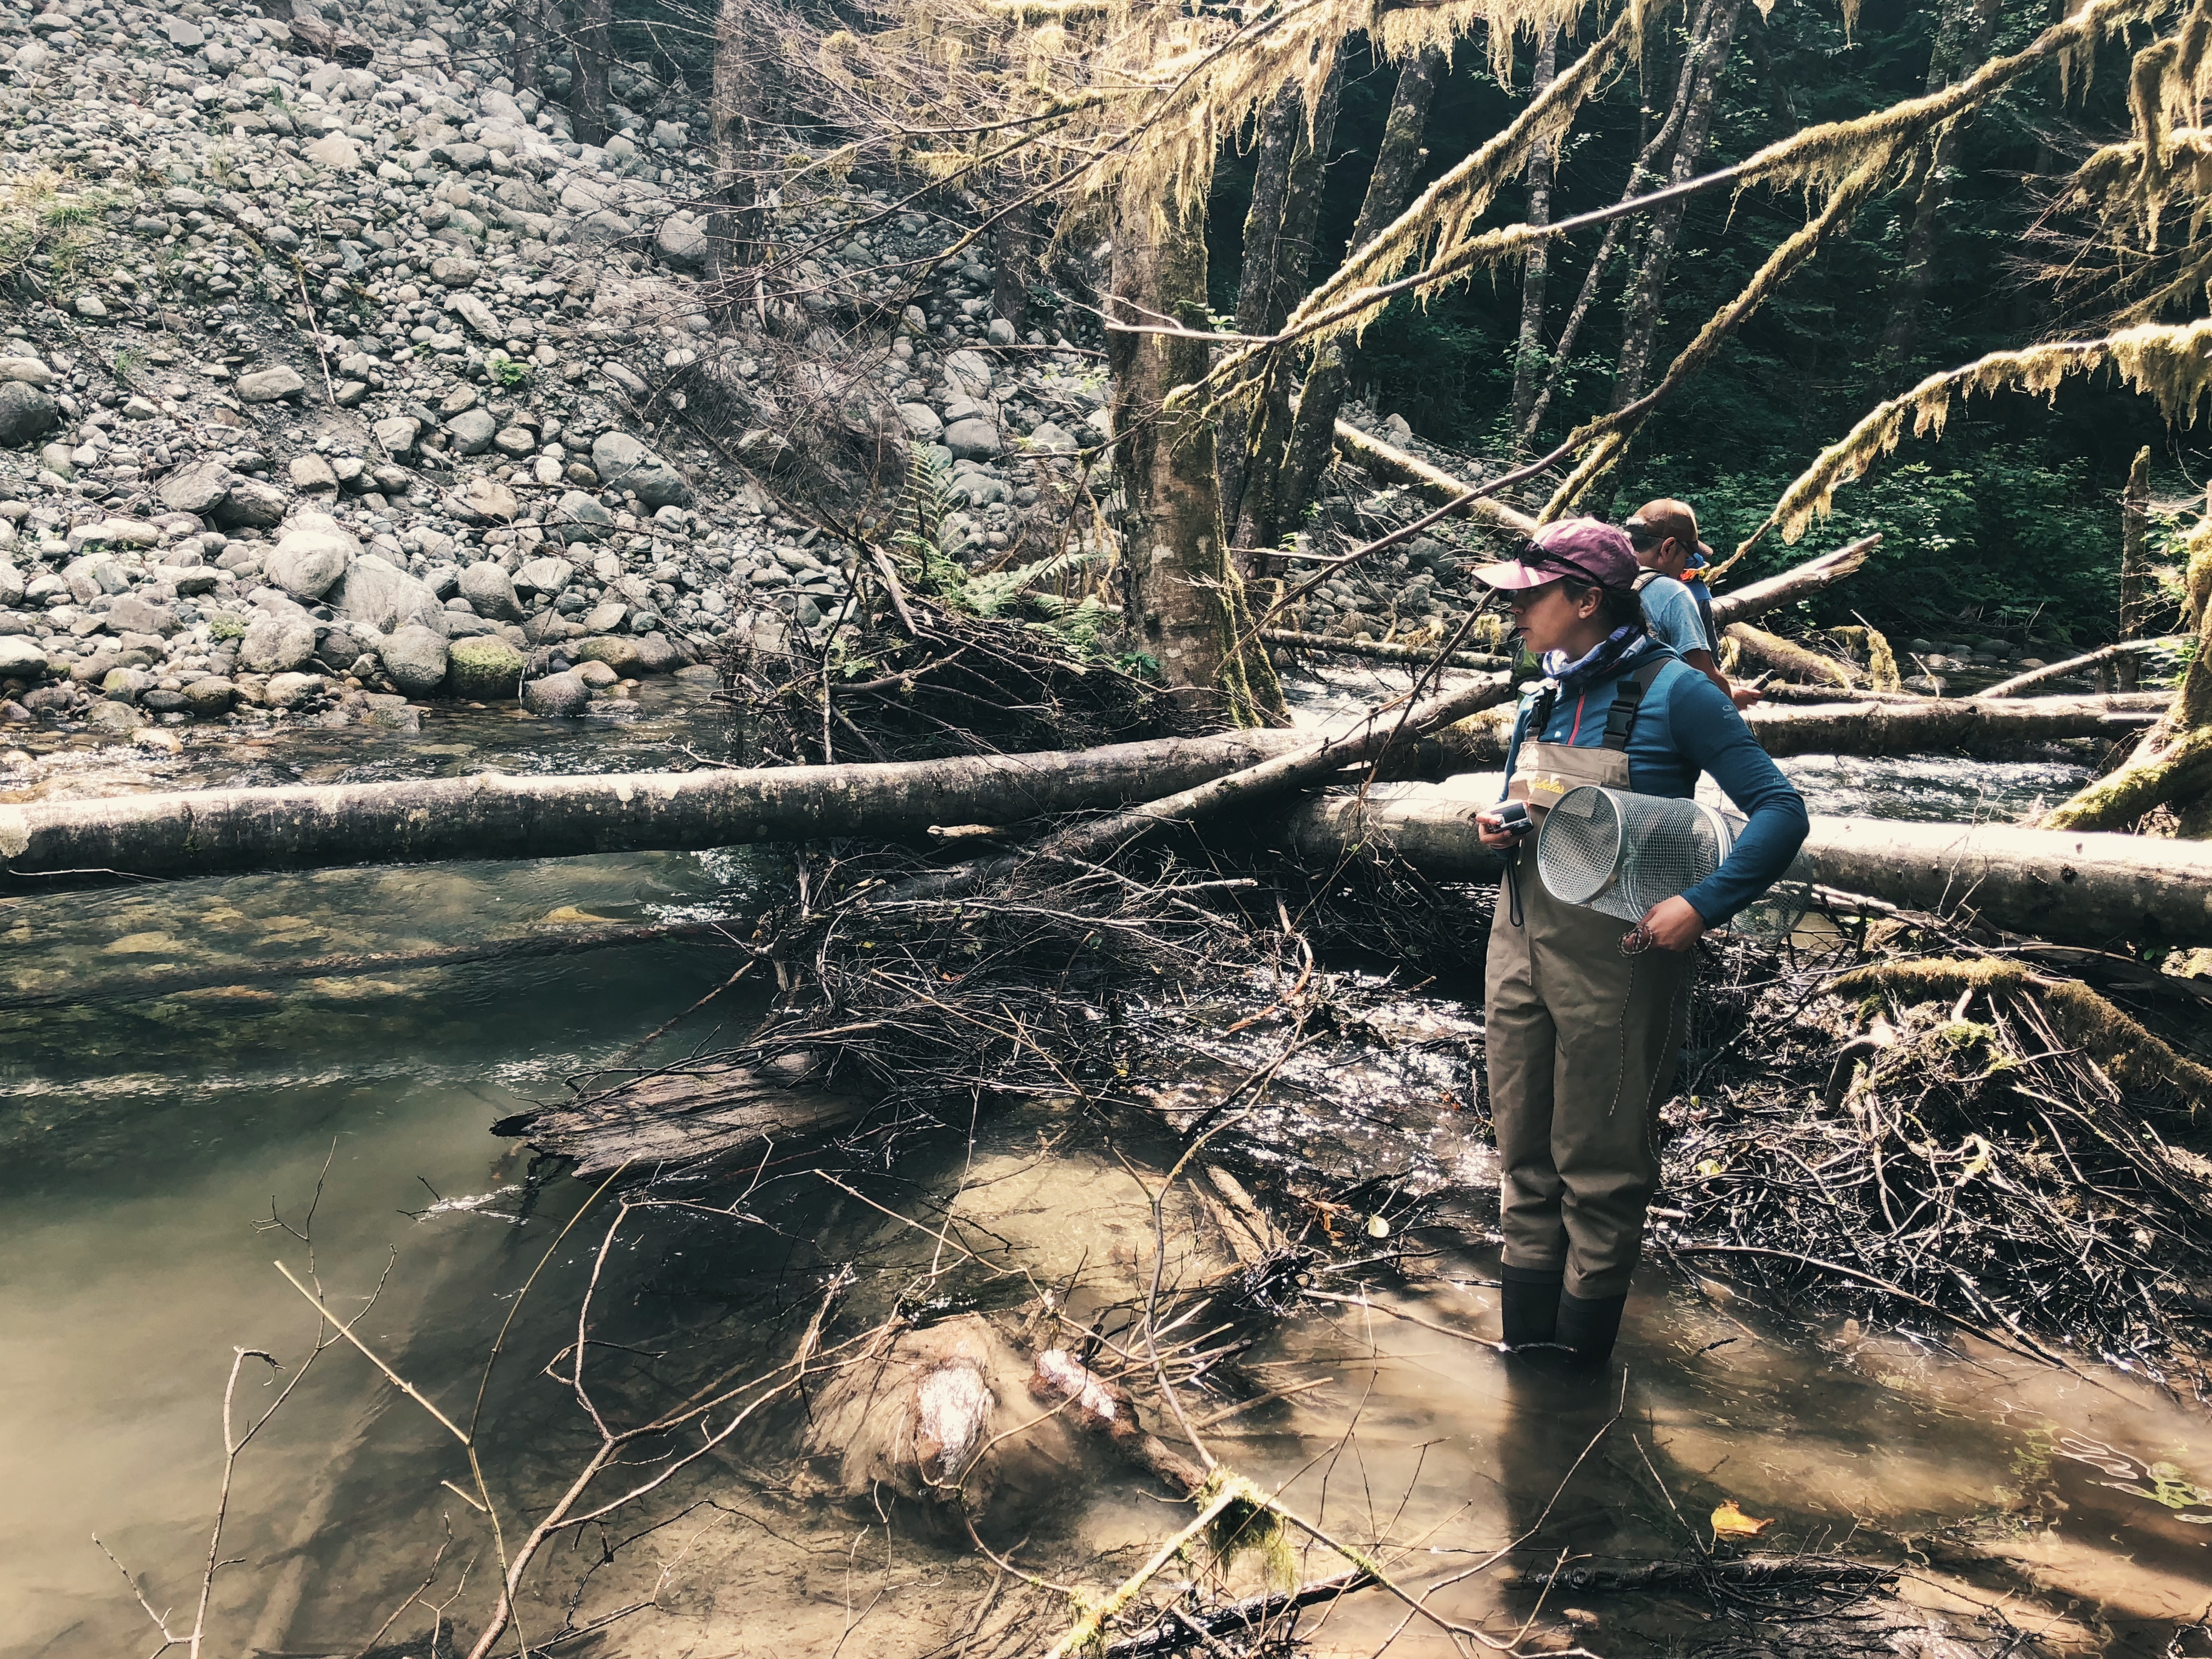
(1756,599)
(1822,1571)
(1789,656)
(1383,460)
(2059,670)
(680,1116)
(1886,726)
(492,816)
(2067,887)
(1381,651)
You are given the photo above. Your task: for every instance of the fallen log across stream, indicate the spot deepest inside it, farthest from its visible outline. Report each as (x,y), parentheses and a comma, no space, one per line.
(2069,887)
(1886,726)
(48,845)
(490,815)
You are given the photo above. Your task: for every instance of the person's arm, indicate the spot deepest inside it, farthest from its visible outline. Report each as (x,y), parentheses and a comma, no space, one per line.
(1741,695)
(1710,732)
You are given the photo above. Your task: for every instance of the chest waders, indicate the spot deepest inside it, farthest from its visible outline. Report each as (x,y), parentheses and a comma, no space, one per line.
(1582,1043)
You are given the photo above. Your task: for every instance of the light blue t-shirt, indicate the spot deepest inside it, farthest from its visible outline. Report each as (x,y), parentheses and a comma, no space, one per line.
(1672,618)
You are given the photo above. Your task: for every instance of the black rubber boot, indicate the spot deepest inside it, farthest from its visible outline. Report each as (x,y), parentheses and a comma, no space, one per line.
(1528,1305)
(1588,1328)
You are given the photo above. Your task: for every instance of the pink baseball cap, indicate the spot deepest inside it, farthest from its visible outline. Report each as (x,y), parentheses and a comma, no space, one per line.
(1588,549)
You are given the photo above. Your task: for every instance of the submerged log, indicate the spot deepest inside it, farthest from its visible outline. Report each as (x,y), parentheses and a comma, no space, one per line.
(492,816)
(2067,887)
(1884,727)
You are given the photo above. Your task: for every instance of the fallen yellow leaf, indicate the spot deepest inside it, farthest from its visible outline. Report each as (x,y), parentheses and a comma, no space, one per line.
(1729,1522)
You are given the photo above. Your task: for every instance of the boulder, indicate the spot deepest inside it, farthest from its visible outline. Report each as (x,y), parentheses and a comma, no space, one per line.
(277,644)
(269,385)
(130,614)
(308,563)
(396,434)
(477,315)
(382,596)
(484,499)
(623,463)
(545,575)
(22,659)
(310,473)
(335,151)
(972,439)
(1050,436)
(619,651)
(293,690)
(682,242)
(29,370)
(471,431)
(26,415)
(922,423)
(658,654)
(251,504)
(210,699)
(580,518)
(197,487)
(491,591)
(417,658)
(116,720)
(557,696)
(484,669)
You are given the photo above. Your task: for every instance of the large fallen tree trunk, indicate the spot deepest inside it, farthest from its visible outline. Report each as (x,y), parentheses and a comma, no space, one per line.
(1885,727)
(493,816)
(2069,888)
(1757,598)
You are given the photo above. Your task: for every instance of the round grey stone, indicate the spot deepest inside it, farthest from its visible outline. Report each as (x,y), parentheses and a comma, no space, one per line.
(26,415)
(557,696)
(417,658)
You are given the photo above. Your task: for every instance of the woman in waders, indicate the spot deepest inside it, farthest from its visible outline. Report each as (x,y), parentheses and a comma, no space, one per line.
(1583,1022)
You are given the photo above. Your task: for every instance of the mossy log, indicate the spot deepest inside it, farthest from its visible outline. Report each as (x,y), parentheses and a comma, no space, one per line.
(2178,773)
(1885,726)
(1756,599)
(1388,462)
(2131,1055)
(1790,658)
(2071,889)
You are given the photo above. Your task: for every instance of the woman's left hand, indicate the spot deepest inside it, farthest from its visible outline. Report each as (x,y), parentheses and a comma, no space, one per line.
(1672,924)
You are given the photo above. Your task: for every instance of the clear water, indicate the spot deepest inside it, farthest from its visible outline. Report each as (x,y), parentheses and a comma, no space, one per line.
(146,1143)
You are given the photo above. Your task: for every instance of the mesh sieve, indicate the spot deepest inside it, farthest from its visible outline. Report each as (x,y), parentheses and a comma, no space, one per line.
(1622,853)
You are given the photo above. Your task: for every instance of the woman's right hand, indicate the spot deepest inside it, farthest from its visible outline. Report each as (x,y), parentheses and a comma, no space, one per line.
(1493,833)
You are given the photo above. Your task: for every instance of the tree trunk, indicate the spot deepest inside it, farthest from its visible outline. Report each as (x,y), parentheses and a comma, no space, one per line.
(2173,763)
(1397,162)
(1962,42)
(1185,599)
(1928,726)
(1388,462)
(223,831)
(1279,132)
(733,229)
(1702,65)
(1528,358)
(587,102)
(1259,521)
(2071,889)
(2135,535)
(1255,517)
(1762,59)
(529,31)
(1649,146)
(1015,264)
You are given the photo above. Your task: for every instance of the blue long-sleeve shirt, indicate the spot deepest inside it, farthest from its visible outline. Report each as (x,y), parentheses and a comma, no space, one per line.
(1686,727)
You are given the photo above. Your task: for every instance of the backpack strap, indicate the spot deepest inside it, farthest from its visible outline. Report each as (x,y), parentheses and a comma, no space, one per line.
(1643,580)
(1627,701)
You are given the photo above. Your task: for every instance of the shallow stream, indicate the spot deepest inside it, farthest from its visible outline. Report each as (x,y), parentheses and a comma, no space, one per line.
(160,1155)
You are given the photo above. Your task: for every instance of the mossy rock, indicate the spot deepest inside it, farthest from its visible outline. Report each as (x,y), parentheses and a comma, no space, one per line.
(620,651)
(484,669)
